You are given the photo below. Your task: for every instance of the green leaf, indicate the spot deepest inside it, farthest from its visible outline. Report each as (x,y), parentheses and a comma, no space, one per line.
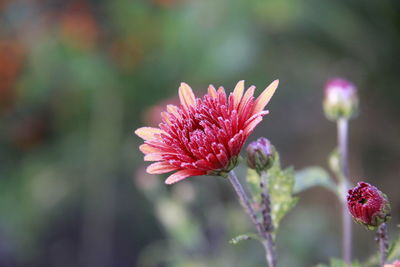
(281,184)
(253,182)
(394,249)
(313,176)
(239,238)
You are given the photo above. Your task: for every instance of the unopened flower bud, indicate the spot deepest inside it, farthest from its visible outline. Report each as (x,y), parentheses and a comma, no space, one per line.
(340,100)
(368,205)
(260,154)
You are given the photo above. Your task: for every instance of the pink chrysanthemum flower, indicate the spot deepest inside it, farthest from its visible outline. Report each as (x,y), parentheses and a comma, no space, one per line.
(203,136)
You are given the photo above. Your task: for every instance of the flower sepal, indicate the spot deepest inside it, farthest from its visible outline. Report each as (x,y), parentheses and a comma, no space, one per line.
(224,173)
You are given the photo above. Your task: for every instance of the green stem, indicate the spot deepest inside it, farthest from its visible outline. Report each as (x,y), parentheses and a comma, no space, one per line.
(382,237)
(266,237)
(267,219)
(344,184)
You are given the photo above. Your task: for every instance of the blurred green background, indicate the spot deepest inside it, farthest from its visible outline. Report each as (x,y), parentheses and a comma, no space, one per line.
(77,77)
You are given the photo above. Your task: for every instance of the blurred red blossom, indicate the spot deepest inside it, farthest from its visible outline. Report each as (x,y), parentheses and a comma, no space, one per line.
(30,130)
(127,52)
(11,61)
(79,26)
(151,116)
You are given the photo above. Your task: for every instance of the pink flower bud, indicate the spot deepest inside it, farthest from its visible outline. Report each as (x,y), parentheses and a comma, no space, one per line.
(341,99)
(368,205)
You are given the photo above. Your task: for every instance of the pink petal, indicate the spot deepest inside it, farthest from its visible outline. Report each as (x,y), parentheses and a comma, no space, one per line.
(173,110)
(211,91)
(148,133)
(221,90)
(265,96)
(160,146)
(249,128)
(182,174)
(146,149)
(245,99)
(186,95)
(253,117)
(160,167)
(153,157)
(165,117)
(238,93)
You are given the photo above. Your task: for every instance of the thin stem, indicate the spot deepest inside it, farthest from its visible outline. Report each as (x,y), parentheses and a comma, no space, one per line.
(244,200)
(343,133)
(266,202)
(342,126)
(267,219)
(382,237)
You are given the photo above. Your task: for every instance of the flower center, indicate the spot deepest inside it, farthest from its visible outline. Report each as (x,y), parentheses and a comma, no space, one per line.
(363,201)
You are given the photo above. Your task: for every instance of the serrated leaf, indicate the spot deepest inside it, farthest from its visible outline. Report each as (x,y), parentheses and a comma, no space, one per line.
(313,176)
(236,240)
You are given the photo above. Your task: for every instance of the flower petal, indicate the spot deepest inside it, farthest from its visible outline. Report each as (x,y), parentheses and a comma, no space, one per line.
(221,90)
(265,96)
(245,101)
(153,157)
(186,95)
(160,167)
(173,110)
(166,117)
(238,92)
(182,174)
(147,149)
(148,133)
(249,128)
(211,91)
(253,117)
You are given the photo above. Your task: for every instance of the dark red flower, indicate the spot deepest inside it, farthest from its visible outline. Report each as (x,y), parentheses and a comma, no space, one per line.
(203,135)
(368,205)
